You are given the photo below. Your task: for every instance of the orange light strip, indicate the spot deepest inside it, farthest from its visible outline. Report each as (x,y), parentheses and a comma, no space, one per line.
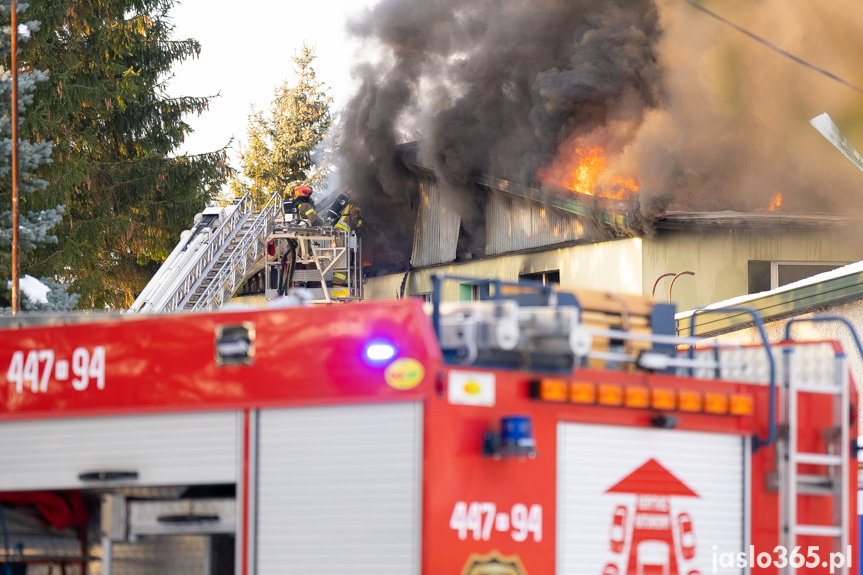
(641,397)
(582,392)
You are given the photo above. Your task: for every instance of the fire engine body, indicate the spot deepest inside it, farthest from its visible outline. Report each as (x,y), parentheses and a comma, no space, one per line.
(357,446)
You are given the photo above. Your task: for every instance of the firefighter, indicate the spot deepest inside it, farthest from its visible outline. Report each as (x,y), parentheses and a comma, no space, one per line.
(306,206)
(352,218)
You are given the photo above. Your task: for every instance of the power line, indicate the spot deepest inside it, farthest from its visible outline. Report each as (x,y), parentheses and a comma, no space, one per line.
(774,47)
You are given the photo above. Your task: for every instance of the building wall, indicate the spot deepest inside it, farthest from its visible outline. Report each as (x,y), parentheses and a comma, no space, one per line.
(608,266)
(720,259)
(815,331)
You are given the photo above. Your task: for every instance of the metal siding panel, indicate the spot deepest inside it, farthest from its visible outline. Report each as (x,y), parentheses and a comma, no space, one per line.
(499,224)
(338,490)
(189,448)
(593,458)
(515,224)
(437,227)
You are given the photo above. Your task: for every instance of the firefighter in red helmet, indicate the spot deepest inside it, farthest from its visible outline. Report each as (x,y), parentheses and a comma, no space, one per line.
(306,205)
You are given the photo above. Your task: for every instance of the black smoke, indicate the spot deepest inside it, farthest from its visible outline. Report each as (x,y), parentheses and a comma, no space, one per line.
(698,114)
(490,87)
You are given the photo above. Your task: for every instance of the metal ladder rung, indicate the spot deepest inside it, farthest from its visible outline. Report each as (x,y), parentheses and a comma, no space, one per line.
(814,388)
(808,484)
(793,484)
(818,458)
(819,530)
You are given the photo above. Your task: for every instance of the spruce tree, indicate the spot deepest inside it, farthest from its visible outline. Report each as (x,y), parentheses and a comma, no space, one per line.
(115,132)
(34,226)
(278,152)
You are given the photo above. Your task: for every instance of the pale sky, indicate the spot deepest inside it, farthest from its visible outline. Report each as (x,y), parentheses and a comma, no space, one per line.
(246,51)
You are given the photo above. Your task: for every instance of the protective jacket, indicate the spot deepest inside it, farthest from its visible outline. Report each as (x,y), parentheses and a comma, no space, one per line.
(306,211)
(352,218)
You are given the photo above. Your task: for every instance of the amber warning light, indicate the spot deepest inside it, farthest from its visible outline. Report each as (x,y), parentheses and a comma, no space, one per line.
(640,397)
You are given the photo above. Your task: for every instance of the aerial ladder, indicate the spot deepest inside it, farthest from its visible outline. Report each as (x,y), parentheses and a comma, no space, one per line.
(227,245)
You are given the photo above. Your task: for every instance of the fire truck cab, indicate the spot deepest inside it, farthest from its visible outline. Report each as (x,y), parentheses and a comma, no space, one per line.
(534,432)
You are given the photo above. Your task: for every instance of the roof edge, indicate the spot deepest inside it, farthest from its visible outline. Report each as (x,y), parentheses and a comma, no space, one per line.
(772,305)
(763,220)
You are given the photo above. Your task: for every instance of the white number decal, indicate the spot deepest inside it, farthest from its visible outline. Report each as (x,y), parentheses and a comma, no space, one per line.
(489,510)
(534,522)
(46,355)
(474,520)
(518,517)
(458,519)
(80,363)
(15,374)
(31,371)
(36,368)
(480,519)
(97,366)
(62,370)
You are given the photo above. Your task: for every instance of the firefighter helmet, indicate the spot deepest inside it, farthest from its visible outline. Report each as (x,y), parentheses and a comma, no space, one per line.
(302,191)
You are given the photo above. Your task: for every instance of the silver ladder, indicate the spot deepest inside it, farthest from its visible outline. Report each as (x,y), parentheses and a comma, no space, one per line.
(240,257)
(836,459)
(207,274)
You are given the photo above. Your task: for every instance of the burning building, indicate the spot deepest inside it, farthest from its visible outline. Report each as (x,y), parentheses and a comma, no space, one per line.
(514,233)
(601,144)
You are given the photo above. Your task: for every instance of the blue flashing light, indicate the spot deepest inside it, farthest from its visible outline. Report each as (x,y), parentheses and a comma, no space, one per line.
(516,431)
(380,351)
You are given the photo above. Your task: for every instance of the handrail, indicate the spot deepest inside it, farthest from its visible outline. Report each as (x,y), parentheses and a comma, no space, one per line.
(825,319)
(757,442)
(674,279)
(656,282)
(259,229)
(437,281)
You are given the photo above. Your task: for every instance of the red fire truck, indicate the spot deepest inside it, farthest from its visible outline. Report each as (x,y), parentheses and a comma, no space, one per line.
(510,436)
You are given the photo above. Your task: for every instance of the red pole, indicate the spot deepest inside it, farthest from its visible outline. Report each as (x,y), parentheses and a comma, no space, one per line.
(16,296)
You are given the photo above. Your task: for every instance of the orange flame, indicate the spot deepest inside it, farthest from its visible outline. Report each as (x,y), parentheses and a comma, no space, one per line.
(583,169)
(775,201)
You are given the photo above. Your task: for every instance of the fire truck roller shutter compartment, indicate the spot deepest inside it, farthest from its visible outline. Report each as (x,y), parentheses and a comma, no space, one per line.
(648,500)
(339,490)
(132,450)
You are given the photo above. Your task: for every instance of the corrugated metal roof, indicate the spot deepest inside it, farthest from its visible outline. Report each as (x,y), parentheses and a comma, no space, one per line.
(610,212)
(695,209)
(752,220)
(514,224)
